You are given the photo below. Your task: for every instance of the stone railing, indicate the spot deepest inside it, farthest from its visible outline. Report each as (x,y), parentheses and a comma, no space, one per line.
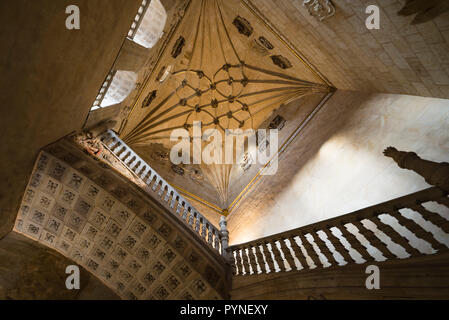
(370,234)
(409,226)
(165,193)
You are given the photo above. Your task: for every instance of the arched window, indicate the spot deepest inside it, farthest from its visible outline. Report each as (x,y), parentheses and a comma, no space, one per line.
(149,23)
(117,86)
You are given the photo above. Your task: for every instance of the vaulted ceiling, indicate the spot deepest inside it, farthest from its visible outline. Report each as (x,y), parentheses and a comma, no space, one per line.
(226,67)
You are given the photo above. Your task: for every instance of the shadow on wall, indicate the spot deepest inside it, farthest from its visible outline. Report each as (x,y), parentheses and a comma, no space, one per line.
(30,271)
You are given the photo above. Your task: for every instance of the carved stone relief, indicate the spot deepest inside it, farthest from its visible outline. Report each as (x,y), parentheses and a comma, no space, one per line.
(246,162)
(243,26)
(277,123)
(149,98)
(178,46)
(258,47)
(320,9)
(281,61)
(267,44)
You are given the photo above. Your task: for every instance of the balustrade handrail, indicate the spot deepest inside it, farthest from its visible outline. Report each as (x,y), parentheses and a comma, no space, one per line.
(258,256)
(428,194)
(161,189)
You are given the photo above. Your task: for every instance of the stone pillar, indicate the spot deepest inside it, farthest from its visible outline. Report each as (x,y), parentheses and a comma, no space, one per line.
(224,237)
(436,174)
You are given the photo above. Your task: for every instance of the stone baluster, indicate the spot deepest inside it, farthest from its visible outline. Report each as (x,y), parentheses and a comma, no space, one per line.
(210,237)
(417,230)
(203,229)
(433,217)
(373,240)
(287,254)
(197,222)
(310,250)
(233,262)
(298,252)
(239,262)
(191,219)
(252,259)
(355,243)
(268,257)
(245,260)
(260,259)
(339,247)
(321,244)
(436,174)
(184,213)
(216,240)
(167,195)
(395,236)
(277,255)
(173,201)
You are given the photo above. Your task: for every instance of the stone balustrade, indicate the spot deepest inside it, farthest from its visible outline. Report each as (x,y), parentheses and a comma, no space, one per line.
(405,227)
(382,232)
(168,196)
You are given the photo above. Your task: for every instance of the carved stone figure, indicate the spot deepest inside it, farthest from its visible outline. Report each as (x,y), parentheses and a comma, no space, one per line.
(320,9)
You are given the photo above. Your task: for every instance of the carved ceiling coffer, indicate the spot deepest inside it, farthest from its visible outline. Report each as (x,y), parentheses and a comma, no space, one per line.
(281,61)
(178,46)
(243,26)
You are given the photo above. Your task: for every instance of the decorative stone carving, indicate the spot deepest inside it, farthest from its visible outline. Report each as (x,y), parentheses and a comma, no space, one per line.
(320,9)
(277,123)
(149,98)
(178,169)
(178,46)
(160,73)
(160,156)
(243,26)
(259,47)
(196,175)
(267,44)
(246,162)
(281,61)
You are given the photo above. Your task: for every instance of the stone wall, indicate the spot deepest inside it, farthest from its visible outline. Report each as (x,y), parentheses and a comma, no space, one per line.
(336,166)
(418,278)
(50,78)
(32,271)
(397,58)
